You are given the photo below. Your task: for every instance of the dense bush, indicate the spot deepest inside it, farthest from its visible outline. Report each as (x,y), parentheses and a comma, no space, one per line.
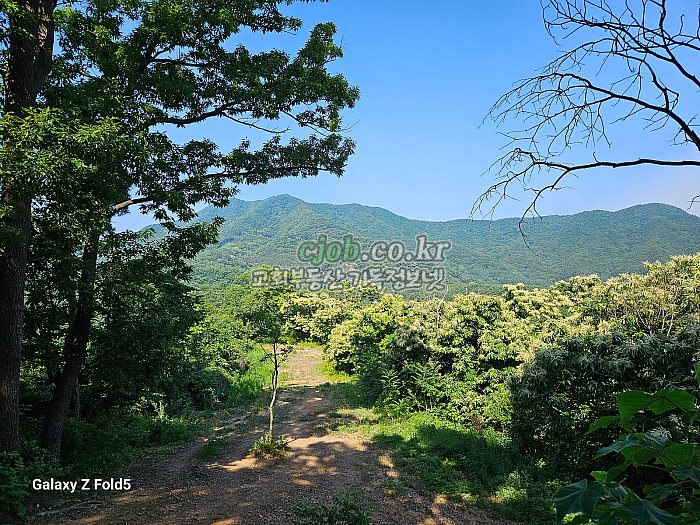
(664,485)
(450,357)
(568,386)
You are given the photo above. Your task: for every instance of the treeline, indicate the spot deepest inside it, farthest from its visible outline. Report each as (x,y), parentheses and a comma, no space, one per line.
(499,392)
(494,394)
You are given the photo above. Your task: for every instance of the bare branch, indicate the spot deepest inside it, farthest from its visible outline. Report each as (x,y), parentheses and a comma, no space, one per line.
(562,107)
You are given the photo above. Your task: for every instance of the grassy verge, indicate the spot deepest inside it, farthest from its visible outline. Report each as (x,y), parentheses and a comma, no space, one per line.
(482,469)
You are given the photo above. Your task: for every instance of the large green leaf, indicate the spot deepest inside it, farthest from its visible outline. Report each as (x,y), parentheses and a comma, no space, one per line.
(578,497)
(632,401)
(644,511)
(625,441)
(680,455)
(602,422)
(659,492)
(688,472)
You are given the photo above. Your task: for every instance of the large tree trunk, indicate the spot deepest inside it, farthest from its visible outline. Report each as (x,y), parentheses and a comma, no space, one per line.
(74,351)
(28,65)
(13,264)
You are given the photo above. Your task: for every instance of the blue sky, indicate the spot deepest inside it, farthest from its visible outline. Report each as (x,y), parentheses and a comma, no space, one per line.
(428,73)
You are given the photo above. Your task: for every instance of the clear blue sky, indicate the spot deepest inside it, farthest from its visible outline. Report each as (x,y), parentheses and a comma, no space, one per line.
(428,73)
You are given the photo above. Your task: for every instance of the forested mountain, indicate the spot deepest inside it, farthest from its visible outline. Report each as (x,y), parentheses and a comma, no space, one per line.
(486,252)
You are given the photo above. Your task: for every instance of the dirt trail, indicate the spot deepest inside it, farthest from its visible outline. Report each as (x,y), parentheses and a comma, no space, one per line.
(234,489)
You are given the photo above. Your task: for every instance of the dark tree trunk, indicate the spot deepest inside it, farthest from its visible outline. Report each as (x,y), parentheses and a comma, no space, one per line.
(13,263)
(74,351)
(28,64)
(75,401)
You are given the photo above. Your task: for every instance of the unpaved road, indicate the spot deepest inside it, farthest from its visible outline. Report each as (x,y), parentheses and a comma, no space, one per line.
(178,489)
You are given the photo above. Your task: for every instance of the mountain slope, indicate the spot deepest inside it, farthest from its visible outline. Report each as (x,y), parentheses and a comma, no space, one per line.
(486,252)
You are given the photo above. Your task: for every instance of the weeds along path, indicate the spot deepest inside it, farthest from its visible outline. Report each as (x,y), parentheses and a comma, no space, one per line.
(235,489)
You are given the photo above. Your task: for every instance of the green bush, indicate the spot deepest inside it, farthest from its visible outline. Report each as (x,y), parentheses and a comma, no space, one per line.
(17,470)
(113,439)
(211,449)
(348,508)
(569,386)
(269,447)
(670,469)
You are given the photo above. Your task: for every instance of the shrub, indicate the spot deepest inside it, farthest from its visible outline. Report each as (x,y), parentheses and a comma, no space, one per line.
(348,508)
(269,447)
(671,467)
(569,386)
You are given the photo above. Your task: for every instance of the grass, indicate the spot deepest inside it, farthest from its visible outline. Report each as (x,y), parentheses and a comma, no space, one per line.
(437,457)
(327,370)
(211,449)
(269,447)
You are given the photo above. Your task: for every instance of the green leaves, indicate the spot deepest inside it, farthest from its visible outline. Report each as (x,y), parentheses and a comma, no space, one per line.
(578,497)
(643,511)
(602,422)
(608,502)
(633,401)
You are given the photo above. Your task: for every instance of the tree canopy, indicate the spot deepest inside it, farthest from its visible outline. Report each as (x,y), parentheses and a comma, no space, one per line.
(102,101)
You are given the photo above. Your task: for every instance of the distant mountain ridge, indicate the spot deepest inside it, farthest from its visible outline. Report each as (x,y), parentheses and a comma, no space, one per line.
(606,243)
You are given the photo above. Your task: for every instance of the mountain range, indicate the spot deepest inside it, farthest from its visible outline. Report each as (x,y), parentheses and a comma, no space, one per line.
(270,231)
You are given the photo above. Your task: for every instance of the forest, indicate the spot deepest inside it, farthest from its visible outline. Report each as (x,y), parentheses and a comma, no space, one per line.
(502,402)
(179,393)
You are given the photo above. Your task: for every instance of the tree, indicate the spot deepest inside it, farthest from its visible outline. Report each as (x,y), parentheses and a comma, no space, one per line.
(628,60)
(142,66)
(27,36)
(266,319)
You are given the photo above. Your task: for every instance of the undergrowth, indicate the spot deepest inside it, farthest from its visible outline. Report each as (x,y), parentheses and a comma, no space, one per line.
(348,508)
(480,468)
(269,447)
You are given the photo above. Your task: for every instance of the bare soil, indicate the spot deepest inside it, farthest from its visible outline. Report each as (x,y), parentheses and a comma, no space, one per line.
(178,489)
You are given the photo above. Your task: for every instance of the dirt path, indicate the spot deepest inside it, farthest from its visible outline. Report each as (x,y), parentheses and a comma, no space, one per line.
(235,489)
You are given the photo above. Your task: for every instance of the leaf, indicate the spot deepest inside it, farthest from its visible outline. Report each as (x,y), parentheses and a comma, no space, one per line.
(616,471)
(618,492)
(602,422)
(581,519)
(625,441)
(633,401)
(644,511)
(679,454)
(697,373)
(660,492)
(578,497)
(688,472)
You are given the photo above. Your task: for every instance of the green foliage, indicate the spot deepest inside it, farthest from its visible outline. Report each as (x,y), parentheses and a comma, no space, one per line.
(663,300)
(478,468)
(312,317)
(17,470)
(450,357)
(211,449)
(490,253)
(348,508)
(671,466)
(568,387)
(115,438)
(637,332)
(269,446)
